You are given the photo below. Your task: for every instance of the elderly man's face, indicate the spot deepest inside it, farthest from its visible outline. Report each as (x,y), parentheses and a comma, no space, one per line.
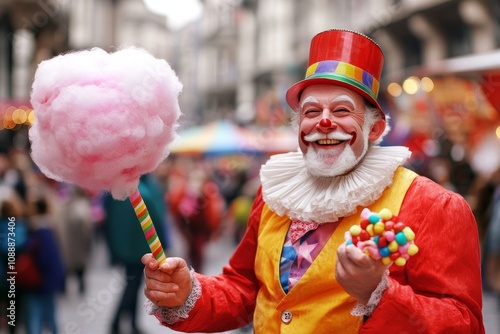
(332,130)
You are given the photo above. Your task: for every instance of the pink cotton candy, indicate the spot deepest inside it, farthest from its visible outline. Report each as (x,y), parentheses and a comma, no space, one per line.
(103,119)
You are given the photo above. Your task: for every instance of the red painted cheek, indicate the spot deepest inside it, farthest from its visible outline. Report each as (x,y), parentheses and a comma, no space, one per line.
(354,136)
(302,135)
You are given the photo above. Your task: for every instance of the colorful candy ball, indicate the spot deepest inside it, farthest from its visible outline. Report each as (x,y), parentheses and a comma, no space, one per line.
(382,236)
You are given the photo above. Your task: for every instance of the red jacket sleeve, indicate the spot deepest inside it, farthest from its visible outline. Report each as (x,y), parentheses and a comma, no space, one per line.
(228,300)
(439,289)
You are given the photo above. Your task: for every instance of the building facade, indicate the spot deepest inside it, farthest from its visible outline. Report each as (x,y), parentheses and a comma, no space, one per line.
(35,30)
(239,58)
(251,51)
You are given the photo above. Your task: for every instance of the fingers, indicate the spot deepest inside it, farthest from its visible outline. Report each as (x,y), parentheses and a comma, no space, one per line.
(158,285)
(160,274)
(161,286)
(350,255)
(160,297)
(149,261)
(168,266)
(357,272)
(357,256)
(171,264)
(168,284)
(353,262)
(156,275)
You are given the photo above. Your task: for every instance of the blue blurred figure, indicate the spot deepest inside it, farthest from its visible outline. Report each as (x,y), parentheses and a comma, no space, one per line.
(127,243)
(13,239)
(492,245)
(40,302)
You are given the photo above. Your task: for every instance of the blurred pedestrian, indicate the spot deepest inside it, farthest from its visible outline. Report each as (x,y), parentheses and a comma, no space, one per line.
(76,229)
(127,244)
(492,246)
(12,176)
(196,207)
(240,207)
(455,149)
(41,308)
(481,200)
(238,213)
(293,270)
(13,240)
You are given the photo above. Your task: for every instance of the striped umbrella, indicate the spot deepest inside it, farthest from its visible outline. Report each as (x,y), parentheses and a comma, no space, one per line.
(216,138)
(272,140)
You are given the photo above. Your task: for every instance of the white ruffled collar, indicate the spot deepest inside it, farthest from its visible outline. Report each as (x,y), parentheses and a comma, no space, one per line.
(288,189)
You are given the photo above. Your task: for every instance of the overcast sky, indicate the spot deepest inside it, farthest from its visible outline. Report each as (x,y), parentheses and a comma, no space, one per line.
(178,12)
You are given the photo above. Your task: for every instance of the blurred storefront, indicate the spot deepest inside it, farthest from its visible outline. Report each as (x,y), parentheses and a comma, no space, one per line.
(35,30)
(451,110)
(238,59)
(16,116)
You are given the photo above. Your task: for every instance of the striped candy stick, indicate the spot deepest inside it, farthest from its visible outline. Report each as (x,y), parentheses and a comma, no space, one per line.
(147,226)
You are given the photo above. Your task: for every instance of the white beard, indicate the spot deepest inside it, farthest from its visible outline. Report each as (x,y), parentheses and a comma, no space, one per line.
(290,190)
(318,163)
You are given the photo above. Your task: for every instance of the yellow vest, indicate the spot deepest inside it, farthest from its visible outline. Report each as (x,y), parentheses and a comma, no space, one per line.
(317,303)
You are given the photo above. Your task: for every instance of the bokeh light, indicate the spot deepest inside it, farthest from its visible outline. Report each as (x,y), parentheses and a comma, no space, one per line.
(14,117)
(427,84)
(394,89)
(410,85)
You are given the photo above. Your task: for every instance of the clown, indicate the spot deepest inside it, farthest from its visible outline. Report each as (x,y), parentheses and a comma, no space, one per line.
(293,272)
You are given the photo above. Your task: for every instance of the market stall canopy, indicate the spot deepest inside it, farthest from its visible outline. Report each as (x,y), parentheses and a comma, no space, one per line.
(224,138)
(216,138)
(484,67)
(275,140)
(475,63)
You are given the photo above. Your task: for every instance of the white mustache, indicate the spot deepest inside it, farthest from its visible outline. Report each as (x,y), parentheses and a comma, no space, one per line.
(312,137)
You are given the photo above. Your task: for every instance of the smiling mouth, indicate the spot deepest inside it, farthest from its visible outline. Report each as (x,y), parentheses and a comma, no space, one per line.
(329,142)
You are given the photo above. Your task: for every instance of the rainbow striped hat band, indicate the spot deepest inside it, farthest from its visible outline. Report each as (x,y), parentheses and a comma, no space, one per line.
(345,58)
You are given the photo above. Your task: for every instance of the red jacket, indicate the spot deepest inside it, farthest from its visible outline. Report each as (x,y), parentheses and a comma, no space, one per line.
(438,291)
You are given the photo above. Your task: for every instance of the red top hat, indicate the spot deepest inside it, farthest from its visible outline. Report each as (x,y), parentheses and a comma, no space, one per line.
(345,58)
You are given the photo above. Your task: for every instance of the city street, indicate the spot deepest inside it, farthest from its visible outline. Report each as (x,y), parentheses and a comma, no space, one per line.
(491,314)
(325,106)
(92,312)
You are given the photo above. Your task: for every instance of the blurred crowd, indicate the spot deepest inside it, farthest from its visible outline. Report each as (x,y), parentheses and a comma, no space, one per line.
(460,152)
(48,229)
(52,226)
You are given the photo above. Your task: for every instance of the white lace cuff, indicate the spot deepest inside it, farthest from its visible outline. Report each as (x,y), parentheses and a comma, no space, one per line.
(170,315)
(361,310)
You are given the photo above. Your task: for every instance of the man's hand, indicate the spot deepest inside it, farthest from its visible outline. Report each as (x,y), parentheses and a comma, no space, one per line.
(167,285)
(357,272)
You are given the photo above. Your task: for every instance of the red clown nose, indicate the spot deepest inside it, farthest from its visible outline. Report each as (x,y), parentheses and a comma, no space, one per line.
(325,122)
